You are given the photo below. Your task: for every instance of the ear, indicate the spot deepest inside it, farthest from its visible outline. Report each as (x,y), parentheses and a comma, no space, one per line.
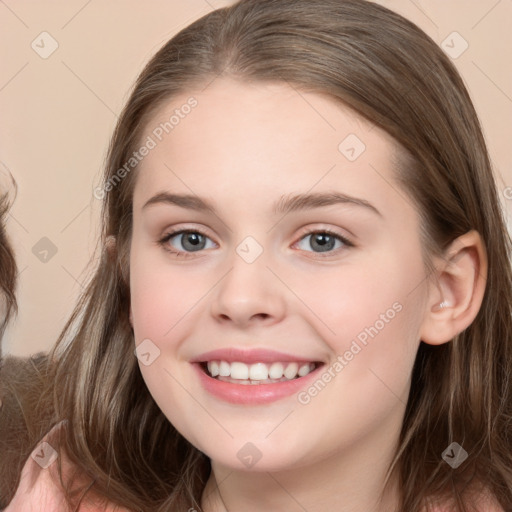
(456,291)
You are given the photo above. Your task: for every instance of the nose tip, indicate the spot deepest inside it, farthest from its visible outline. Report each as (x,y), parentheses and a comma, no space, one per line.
(249,292)
(256,316)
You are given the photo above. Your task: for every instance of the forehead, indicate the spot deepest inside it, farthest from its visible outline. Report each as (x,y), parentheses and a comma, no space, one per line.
(263,140)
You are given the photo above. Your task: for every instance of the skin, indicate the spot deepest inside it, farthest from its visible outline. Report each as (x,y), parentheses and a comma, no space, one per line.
(242,148)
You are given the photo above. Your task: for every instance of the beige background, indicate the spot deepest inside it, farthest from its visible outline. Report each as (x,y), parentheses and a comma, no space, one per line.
(57,115)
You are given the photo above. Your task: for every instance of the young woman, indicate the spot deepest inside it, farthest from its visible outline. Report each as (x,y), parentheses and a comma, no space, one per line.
(304,296)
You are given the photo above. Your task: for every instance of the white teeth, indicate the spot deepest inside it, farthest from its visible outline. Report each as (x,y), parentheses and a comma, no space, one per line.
(213,368)
(259,371)
(291,370)
(276,371)
(224,369)
(304,370)
(239,371)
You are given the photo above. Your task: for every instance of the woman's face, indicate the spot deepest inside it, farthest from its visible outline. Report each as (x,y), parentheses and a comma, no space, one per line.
(259,281)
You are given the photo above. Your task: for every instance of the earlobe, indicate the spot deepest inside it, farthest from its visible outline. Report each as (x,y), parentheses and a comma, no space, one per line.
(456,291)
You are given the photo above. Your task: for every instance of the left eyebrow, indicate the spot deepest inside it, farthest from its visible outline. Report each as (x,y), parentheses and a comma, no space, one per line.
(308,201)
(284,205)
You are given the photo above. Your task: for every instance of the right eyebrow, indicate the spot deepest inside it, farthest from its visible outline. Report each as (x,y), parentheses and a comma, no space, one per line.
(282,206)
(184,200)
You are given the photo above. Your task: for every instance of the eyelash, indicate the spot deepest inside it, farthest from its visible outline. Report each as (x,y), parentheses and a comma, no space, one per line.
(183,254)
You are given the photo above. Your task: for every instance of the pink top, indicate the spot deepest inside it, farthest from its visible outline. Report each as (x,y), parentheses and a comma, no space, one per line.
(39,489)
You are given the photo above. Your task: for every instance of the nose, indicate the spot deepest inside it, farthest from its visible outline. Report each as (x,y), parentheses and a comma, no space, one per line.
(249,294)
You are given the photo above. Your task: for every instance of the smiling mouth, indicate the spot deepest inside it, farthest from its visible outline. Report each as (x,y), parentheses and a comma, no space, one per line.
(257,373)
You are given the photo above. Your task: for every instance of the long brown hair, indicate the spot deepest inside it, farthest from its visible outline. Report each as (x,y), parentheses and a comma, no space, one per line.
(390,72)
(10,414)
(8,267)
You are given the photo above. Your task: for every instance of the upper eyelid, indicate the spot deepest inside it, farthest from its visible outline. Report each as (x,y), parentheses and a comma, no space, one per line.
(309,231)
(303,232)
(179,231)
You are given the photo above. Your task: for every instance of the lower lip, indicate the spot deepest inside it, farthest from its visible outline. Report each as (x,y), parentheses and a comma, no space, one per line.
(253,393)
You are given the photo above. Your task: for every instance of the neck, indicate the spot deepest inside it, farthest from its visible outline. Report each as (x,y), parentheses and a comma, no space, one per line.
(351,480)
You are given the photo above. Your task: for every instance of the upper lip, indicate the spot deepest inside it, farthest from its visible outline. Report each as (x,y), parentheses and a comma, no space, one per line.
(259,355)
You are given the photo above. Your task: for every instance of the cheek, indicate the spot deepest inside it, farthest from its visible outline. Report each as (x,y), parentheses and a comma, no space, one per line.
(369,316)
(348,300)
(372,316)
(161,297)
(154,305)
